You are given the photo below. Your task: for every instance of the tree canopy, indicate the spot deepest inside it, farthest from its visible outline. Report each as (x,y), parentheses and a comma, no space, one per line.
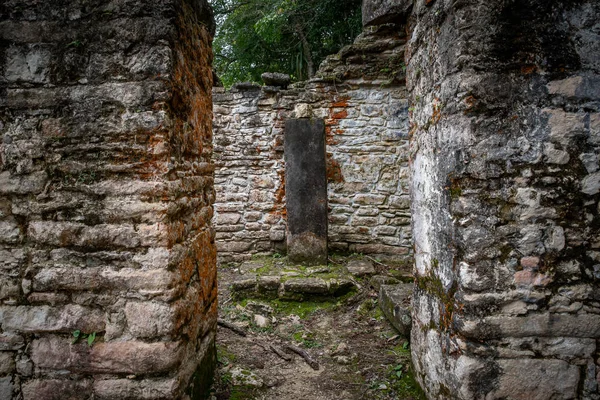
(289,36)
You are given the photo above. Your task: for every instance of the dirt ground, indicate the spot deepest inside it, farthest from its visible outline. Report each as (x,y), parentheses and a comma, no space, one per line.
(359,354)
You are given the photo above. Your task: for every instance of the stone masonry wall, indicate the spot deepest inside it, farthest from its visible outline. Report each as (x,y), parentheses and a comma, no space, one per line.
(106,190)
(505,198)
(360,94)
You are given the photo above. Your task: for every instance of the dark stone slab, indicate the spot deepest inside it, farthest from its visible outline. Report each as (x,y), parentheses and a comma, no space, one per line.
(306,190)
(377,12)
(276,79)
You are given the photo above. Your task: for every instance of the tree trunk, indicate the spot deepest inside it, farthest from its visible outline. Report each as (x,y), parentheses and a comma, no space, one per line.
(310,65)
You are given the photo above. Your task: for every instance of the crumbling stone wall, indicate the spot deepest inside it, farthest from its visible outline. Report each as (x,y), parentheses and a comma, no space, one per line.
(505,198)
(106,194)
(360,93)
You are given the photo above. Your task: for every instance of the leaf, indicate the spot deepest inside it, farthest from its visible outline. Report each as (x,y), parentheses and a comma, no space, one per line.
(399,374)
(91,338)
(405,345)
(76,335)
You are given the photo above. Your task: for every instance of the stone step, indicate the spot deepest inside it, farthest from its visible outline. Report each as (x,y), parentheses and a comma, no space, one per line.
(279,279)
(292,288)
(395,302)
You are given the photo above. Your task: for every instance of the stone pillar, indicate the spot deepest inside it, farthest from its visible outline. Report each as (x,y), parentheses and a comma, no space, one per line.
(505,198)
(306,190)
(106,194)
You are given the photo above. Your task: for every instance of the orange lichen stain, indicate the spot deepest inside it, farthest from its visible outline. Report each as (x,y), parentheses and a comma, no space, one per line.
(334,170)
(329,135)
(528,69)
(341,102)
(279,206)
(470,101)
(189,139)
(340,114)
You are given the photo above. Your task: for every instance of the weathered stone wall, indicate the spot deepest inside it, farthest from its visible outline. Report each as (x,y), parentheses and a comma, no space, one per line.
(360,94)
(505,198)
(105,199)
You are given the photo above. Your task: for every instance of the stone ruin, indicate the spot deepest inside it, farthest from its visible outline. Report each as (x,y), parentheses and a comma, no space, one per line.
(361,97)
(107,186)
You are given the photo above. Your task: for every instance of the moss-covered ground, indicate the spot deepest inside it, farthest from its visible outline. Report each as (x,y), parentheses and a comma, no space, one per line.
(360,355)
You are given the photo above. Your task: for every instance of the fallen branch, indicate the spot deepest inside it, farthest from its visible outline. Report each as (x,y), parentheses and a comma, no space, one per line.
(232,327)
(312,363)
(333,262)
(280,353)
(378,262)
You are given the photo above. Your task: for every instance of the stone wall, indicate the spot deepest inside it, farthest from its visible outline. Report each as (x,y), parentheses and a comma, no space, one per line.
(360,93)
(105,199)
(505,198)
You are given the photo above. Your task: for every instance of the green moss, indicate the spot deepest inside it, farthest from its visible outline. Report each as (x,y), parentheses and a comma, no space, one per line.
(203,377)
(303,309)
(224,356)
(407,387)
(433,285)
(243,392)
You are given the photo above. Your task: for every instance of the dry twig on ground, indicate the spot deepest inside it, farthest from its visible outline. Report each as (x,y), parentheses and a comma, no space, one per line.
(313,364)
(232,327)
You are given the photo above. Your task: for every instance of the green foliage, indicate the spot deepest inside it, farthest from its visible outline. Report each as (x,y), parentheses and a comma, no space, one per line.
(91,337)
(289,36)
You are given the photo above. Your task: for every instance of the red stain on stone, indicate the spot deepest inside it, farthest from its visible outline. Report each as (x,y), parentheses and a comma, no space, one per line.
(279,205)
(340,114)
(342,102)
(528,69)
(334,170)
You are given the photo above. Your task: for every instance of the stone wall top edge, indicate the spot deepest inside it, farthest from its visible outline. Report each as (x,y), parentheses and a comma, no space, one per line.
(270,91)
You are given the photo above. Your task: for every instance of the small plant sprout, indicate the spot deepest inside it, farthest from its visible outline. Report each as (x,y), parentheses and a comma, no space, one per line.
(77,334)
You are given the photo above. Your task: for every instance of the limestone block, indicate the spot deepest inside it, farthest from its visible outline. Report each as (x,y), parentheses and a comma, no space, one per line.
(306,285)
(7,387)
(537,380)
(145,389)
(149,319)
(578,86)
(378,280)
(360,268)
(276,79)
(24,366)
(395,302)
(51,319)
(228,219)
(131,357)
(29,64)
(33,183)
(7,363)
(57,389)
(11,341)
(545,325)
(375,12)
(369,199)
(10,232)
(126,279)
(9,287)
(591,184)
